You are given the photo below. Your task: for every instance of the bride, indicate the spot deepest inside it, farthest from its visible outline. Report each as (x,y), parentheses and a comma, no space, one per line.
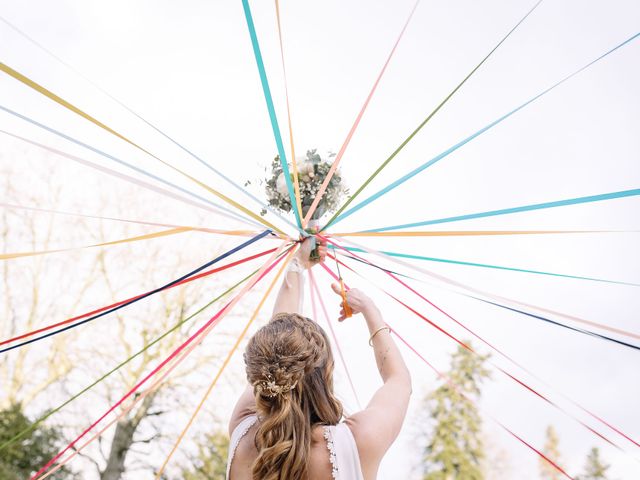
(288,424)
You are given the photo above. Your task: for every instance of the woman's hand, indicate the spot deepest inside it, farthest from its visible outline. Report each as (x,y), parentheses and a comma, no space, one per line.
(357,300)
(304,252)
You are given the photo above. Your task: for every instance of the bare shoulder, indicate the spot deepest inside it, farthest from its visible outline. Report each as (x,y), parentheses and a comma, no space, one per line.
(245,407)
(238,417)
(364,433)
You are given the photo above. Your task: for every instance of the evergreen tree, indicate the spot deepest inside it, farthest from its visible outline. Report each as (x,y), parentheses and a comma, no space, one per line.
(211,461)
(552,452)
(23,458)
(595,469)
(454,448)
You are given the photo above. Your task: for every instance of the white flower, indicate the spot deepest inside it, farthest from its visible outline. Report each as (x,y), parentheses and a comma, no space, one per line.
(305,168)
(281,185)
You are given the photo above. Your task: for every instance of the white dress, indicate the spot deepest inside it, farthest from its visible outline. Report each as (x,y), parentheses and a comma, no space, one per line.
(341,449)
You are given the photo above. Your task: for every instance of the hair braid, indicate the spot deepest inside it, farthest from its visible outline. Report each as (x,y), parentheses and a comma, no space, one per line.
(290,365)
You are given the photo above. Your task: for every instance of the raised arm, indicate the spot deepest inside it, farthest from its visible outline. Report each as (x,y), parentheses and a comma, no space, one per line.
(289,300)
(376,427)
(291,295)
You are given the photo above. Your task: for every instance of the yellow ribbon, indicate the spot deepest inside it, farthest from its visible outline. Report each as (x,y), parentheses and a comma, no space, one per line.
(49,94)
(294,164)
(163,233)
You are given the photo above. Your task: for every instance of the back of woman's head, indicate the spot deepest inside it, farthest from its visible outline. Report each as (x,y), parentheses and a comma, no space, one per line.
(290,365)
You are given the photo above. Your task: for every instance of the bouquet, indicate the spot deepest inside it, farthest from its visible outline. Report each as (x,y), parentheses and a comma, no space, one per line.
(312,171)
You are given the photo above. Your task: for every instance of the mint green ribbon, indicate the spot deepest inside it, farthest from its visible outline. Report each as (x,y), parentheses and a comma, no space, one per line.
(486,265)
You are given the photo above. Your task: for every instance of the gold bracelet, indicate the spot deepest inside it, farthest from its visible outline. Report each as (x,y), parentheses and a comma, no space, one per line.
(377,332)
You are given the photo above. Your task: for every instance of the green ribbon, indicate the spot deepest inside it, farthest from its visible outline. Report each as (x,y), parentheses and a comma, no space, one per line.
(425,121)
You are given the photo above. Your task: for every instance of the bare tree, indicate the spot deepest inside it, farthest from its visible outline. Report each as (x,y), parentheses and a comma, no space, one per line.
(135,327)
(28,373)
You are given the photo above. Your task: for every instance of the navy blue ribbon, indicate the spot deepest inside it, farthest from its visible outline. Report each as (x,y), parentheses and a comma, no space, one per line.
(148,294)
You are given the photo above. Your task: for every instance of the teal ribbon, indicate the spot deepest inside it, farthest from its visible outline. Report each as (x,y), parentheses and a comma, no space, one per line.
(452,149)
(272,111)
(486,265)
(524,208)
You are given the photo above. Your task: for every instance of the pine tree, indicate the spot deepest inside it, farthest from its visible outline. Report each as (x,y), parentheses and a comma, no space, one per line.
(24,457)
(552,452)
(454,449)
(595,469)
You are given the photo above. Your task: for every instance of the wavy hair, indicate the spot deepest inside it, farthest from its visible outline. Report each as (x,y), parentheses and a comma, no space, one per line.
(290,365)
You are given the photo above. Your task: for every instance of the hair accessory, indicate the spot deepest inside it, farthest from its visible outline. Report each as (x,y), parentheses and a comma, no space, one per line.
(384,327)
(271,389)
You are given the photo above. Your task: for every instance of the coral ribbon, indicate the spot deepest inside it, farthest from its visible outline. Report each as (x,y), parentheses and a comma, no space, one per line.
(345,144)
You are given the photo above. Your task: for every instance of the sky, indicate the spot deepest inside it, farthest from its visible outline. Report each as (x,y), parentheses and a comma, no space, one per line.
(188,68)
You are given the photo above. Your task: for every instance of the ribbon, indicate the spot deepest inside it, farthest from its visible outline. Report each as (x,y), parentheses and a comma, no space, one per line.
(604,422)
(154,127)
(447,379)
(122,302)
(524,208)
(37,422)
(573,402)
(553,322)
(470,233)
(224,365)
(335,219)
(570,317)
(425,121)
(512,377)
(271,109)
(244,233)
(441,375)
(60,101)
(140,297)
(117,174)
(315,292)
(148,236)
(155,385)
(345,144)
(498,267)
(498,298)
(296,183)
(198,337)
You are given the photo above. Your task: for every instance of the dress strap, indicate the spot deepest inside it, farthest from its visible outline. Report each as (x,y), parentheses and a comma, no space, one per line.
(238,433)
(328,436)
(343,453)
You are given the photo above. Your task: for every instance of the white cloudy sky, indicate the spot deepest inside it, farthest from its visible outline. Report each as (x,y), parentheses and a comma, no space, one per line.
(188,67)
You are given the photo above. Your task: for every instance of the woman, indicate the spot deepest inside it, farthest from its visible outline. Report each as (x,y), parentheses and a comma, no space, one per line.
(286,425)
